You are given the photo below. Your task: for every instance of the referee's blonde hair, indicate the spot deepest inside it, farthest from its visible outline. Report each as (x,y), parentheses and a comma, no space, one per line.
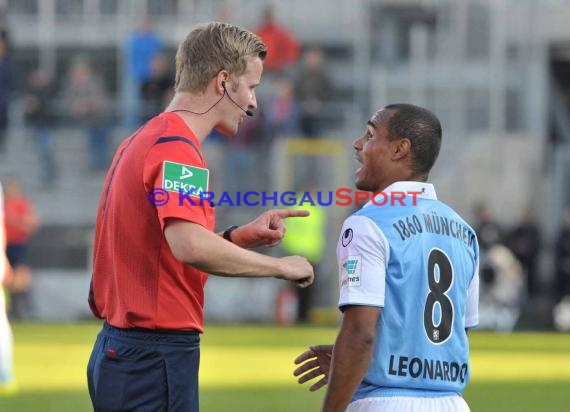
(208,49)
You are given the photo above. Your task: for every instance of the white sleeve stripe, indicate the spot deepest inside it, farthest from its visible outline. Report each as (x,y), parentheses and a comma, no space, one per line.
(362,262)
(361,304)
(364,299)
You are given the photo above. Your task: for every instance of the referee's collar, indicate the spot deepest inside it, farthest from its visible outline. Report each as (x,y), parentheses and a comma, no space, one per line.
(427,190)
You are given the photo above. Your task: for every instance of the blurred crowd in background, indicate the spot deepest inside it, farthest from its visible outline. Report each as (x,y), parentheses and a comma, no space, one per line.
(292,104)
(294,101)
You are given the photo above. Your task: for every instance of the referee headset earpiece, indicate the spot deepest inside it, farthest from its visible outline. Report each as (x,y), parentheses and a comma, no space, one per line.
(246,111)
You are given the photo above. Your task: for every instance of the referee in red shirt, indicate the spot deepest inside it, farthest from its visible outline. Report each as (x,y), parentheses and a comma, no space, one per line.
(151,257)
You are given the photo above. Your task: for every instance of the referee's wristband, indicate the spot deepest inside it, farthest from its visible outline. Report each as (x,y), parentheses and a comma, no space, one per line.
(228,233)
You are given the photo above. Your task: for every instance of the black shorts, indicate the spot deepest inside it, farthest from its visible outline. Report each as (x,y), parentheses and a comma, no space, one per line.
(144,370)
(17,254)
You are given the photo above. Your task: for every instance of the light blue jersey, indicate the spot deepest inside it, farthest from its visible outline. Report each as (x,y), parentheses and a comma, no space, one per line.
(419,263)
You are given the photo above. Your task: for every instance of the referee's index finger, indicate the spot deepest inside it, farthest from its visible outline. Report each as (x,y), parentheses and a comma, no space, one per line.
(283,213)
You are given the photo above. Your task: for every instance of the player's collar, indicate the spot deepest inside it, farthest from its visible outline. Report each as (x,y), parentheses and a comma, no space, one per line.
(427,190)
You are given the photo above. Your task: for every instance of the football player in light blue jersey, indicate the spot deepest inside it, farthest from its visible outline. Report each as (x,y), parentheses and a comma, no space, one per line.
(408,277)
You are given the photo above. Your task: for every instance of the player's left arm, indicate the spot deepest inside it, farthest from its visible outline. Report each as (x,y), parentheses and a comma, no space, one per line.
(351,355)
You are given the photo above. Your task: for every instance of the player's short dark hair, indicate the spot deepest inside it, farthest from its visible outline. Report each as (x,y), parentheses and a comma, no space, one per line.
(422,128)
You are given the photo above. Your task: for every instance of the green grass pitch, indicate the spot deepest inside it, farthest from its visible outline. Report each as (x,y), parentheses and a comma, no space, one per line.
(248,368)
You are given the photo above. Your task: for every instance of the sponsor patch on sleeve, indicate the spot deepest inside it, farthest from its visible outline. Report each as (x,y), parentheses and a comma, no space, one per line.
(191,179)
(351,270)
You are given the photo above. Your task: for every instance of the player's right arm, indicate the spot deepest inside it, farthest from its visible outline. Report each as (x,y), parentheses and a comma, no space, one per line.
(351,355)
(362,253)
(194,245)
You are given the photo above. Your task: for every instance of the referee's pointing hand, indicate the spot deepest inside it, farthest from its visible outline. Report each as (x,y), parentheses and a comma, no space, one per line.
(266,230)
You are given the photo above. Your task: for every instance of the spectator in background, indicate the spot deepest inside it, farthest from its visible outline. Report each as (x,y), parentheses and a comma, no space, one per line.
(282,54)
(563,259)
(5,87)
(501,289)
(158,89)
(284,116)
(7,384)
(313,88)
(524,241)
(488,231)
(37,104)
(88,105)
(283,48)
(140,49)
(21,222)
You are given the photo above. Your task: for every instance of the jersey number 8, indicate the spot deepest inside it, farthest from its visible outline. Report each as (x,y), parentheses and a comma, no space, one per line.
(438,263)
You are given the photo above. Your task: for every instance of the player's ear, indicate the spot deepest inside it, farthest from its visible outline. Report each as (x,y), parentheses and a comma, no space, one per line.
(402,148)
